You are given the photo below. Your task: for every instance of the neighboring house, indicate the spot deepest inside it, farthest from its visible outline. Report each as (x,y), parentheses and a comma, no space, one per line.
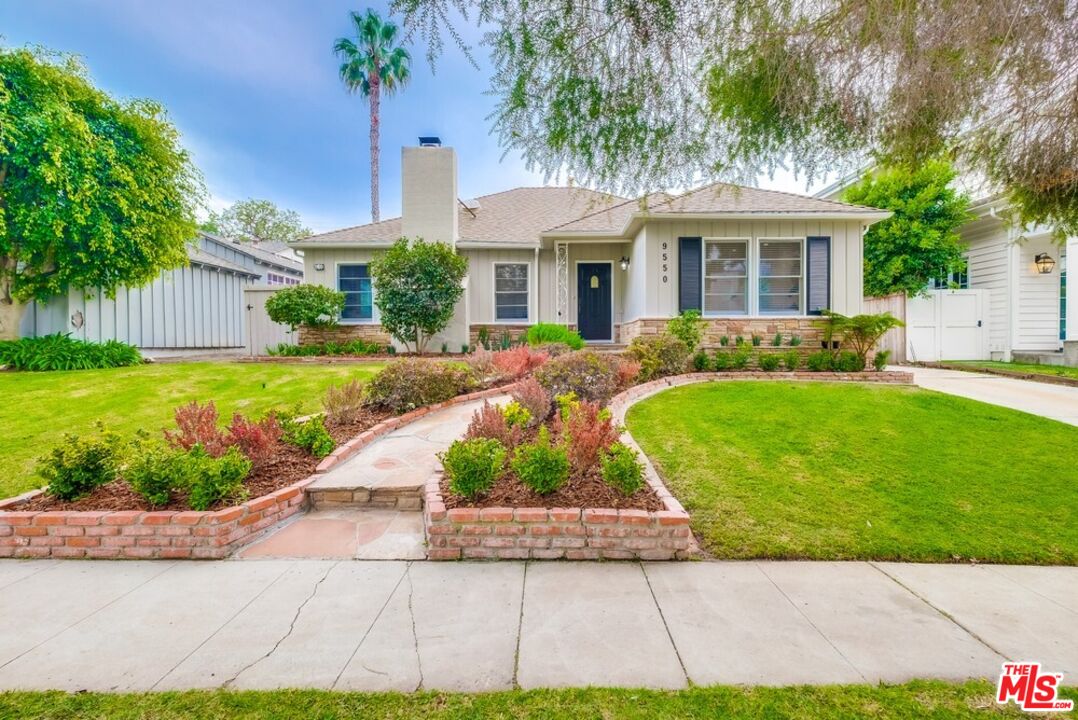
(753,261)
(198,307)
(1028,313)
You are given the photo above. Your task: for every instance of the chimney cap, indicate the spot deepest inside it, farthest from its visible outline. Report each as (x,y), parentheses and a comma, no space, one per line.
(430,141)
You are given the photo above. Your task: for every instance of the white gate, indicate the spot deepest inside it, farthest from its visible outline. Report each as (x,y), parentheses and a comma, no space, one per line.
(261,331)
(947,325)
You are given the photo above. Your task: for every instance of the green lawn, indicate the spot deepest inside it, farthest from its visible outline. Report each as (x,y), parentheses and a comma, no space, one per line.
(846,471)
(39,407)
(1057,370)
(919,700)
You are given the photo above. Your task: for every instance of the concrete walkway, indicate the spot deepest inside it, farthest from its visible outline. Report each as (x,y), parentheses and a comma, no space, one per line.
(1057,402)
(473,626)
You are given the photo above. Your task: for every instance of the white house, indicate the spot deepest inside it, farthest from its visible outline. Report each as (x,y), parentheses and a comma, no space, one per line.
(753,261)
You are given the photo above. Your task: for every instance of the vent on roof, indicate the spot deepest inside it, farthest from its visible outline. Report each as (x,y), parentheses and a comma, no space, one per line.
(472,204)
(431,141)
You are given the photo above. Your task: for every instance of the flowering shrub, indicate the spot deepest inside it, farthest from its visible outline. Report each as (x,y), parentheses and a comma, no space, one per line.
(587,430)
(490,422)
(343,403)
(583,372)
(531,396)
(518,361)
(414,382)
(256,440)
(197,425)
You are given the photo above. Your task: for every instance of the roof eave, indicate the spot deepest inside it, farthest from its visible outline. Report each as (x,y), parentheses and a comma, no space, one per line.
(342,244)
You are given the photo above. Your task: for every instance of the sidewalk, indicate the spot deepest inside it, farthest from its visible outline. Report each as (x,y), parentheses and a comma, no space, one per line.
(486,626)
(1056,402)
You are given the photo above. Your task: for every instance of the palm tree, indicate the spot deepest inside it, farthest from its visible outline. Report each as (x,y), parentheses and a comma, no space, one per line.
(372,63)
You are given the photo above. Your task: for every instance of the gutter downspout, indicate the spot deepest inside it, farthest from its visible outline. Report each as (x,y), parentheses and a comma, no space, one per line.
(538,287)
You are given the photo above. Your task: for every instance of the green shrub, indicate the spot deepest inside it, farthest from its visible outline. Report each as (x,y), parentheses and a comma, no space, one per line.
(621,469)
(156,471)
(211,480)
(739,340)
(80,464)
(473,465)
(820,361)
(414,382)
(795,340)
(724,340)
(516,415)
(848,361)
(307,305)
(62,352)
(721,361)
(769,362)
(352,347)
(553,349)
(482,338)
(658,355)
(701,362)
(541,466)
(309,434)
(880,360)
(777,340)
(791,359)
(688,328)
(740,358)
(542,333)
(583,372)
(756,340)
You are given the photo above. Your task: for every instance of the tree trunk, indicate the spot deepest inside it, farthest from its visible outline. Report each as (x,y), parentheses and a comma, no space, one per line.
(10,315)
(376,101)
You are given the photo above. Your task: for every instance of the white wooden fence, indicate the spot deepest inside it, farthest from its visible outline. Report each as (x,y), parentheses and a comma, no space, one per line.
(895,339)
(262,332)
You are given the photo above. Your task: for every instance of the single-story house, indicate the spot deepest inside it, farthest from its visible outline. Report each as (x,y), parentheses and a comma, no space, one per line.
(1028,315)
(198,307)
(752,261)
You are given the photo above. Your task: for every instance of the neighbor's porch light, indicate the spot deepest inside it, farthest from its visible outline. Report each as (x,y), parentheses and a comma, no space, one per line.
(1045,263)
(624,262)
(319,267)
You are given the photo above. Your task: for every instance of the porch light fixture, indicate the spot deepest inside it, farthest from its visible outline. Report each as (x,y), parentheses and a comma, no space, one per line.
(624,262)
(1045,263)
(319,266)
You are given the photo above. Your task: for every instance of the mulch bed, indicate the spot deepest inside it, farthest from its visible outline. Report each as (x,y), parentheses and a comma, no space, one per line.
(582,492)
(289,465)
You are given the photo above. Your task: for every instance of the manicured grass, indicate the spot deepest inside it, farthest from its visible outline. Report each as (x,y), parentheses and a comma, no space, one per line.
(1057,370)
(38,408)
(846,471)
(920,700)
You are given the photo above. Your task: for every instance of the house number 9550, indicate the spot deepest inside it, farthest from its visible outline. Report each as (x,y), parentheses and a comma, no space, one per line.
(666,266)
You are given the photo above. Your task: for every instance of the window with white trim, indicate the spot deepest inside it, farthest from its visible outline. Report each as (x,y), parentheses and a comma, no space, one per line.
(726,277)
(355,282)
(510,292)
(780,277)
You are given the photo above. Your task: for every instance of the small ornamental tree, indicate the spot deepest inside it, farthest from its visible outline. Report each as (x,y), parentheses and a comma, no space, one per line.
(95,192)
(417,287)
(919,241)
(306,305)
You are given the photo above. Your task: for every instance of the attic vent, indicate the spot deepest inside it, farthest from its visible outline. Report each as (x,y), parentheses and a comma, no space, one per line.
(472,204)
(431,141)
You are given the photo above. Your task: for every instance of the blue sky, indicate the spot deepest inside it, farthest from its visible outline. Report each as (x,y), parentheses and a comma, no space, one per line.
(253,88)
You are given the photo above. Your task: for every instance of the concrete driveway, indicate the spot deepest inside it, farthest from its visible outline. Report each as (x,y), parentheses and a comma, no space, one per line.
(1057,402)
(146,625)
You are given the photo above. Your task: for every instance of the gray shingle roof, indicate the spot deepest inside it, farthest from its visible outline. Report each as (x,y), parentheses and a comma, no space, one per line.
(201,257)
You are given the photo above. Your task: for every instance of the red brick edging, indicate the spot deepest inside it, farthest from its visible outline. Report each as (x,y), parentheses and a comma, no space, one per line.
(171,534)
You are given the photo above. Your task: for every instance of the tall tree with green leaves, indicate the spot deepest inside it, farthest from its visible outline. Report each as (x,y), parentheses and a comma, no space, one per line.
(256,220)
(95,192)
(919,242)
(637,95)
(373,63)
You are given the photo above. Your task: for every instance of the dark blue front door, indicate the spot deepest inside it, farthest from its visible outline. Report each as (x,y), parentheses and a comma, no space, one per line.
(593,301)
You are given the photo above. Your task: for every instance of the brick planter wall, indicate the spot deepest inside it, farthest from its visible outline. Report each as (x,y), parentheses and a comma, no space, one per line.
(495,332)
(144,535)
(344,333)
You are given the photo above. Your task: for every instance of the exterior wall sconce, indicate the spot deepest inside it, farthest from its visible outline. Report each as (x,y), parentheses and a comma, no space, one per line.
(1045,263)
(319,267)
(624,262)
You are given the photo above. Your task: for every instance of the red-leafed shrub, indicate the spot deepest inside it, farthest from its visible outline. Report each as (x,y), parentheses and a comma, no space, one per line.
(489,422)
(628,371)
(518,361)
(481,361)
(587,430)
(256,440)
(531,396)
(197,425)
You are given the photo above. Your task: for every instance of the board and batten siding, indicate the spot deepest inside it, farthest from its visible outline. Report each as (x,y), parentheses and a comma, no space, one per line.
(987,265)
(650,297)
(1038,298)
(187,308)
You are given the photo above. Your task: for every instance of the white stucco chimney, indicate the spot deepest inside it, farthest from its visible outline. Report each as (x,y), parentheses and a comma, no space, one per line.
(429,194)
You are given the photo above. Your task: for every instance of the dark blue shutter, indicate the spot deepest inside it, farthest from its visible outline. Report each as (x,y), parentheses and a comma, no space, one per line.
(818,275)
(690,274)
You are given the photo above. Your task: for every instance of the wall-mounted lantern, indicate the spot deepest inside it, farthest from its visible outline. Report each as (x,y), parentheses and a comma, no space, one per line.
(319,267)
(1045,263)
(624,262)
